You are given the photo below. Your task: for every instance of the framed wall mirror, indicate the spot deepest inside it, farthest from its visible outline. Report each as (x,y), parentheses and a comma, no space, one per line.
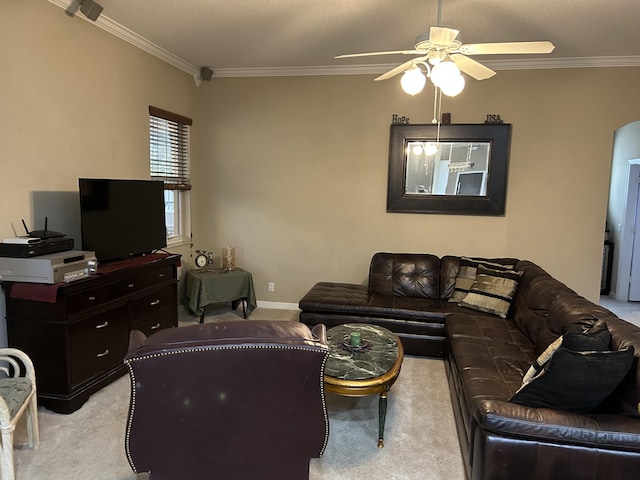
(464,172)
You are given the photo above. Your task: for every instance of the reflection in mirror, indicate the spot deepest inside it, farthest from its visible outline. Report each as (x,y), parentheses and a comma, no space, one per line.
(451,168)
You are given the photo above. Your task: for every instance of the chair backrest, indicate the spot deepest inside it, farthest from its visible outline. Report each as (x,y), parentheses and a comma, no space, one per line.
(231,400)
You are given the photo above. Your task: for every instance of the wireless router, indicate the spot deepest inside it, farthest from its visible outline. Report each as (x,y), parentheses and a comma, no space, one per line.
(44,234)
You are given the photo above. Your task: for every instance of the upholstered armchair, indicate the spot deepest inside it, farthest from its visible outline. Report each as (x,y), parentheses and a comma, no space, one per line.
(242,399)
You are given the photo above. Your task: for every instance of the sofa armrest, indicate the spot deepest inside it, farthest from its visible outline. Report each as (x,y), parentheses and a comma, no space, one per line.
(556,426)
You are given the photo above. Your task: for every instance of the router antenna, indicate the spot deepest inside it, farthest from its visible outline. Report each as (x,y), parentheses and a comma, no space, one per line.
(25,227)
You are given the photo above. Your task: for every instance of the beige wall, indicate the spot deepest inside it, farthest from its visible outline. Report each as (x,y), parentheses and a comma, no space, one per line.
(293,171)
(73,102)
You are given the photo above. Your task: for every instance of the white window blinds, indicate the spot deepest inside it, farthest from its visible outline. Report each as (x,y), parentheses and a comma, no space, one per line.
(169,148)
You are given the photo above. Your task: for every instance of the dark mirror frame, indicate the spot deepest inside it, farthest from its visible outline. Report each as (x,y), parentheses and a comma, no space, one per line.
(493,203)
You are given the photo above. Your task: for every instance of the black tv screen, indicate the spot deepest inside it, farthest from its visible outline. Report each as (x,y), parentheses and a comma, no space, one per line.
(121,218)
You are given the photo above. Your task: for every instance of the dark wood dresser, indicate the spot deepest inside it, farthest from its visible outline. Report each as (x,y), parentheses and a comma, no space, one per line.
(77,333)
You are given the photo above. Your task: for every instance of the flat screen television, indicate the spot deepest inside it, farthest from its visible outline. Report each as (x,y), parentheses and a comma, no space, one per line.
(121,218)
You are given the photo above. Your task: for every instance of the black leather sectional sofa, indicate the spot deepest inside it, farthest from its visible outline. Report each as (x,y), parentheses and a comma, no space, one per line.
(508,431)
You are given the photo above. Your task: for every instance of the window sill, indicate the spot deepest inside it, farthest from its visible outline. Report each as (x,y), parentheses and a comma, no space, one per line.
(178,242)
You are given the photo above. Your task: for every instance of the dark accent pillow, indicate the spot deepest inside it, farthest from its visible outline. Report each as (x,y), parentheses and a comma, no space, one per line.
(576,381)
(587,341)
(492,291)
(594,339)
(467,275)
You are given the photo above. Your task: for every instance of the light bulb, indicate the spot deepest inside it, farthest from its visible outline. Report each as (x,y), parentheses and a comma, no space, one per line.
(443,72)
(413,81)
(417,149)
(430,148)
(454,86)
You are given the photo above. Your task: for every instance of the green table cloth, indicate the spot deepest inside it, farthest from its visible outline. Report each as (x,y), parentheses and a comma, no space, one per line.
(204,287)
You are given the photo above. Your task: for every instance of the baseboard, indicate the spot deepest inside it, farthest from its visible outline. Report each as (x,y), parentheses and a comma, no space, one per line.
(278,305)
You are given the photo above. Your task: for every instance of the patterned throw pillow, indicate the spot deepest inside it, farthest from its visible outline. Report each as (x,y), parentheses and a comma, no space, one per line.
(467,275)
(542,361)
(492,291)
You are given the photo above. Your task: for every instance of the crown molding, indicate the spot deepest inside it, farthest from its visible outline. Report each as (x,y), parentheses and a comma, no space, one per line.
(134,39)
(366,69)
(568,62)
(142,43)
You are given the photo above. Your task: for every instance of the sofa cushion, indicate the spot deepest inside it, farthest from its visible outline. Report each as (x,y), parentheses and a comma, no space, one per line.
(467,275)
(492,291)
(576,381)
(405,275)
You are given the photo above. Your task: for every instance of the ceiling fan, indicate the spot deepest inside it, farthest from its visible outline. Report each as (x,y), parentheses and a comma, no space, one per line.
(446,54)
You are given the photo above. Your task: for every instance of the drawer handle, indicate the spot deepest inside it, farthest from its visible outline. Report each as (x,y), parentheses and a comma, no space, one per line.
(103,354)
(102,325)
(155,327)
(92,298)
(155,302)
(131,285)
(161,275)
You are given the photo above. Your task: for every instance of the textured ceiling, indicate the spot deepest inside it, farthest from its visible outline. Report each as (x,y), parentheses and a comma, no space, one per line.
(249,34)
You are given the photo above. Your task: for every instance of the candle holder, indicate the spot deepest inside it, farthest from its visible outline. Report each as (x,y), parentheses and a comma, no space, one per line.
(228,258)
(361,347)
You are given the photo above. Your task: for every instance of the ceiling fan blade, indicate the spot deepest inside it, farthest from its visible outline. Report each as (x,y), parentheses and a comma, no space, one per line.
(442,36)
(471,67)
(507,48)
(391,52)
(395,71)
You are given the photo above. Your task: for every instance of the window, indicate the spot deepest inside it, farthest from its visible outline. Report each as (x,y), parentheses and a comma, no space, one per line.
(169,162)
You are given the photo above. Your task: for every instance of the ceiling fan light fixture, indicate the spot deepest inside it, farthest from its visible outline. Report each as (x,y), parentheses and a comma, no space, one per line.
(443,72)
(413,81)
(454,86)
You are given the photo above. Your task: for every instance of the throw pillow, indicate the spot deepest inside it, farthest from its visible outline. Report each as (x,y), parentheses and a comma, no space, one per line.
(587,341)
(542,361)
(595,339)
(492,291)
(467,275)
(576,381)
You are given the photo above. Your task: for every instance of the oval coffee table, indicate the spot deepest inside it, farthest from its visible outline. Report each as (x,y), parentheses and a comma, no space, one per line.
(372,368)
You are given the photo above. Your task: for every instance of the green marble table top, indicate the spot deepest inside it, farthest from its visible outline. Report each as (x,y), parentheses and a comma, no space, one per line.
(372,363)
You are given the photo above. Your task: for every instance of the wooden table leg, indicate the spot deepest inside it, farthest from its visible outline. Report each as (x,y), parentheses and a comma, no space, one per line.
(243,300)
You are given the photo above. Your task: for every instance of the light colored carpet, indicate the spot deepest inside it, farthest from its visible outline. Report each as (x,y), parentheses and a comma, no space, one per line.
(420,437)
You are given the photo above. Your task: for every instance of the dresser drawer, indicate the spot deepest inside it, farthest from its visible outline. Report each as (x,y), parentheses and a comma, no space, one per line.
(154,302)
(136,283)
(98,344)
(152,323)
(88,298)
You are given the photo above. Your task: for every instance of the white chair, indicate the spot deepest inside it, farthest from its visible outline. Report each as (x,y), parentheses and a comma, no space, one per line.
(17,396)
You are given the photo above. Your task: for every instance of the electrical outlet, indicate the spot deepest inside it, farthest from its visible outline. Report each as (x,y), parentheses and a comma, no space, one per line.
(272,287)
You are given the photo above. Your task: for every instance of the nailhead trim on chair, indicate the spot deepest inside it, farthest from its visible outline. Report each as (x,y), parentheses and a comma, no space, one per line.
(223,347)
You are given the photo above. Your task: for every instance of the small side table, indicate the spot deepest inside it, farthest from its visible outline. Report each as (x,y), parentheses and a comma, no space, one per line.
(214,285)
